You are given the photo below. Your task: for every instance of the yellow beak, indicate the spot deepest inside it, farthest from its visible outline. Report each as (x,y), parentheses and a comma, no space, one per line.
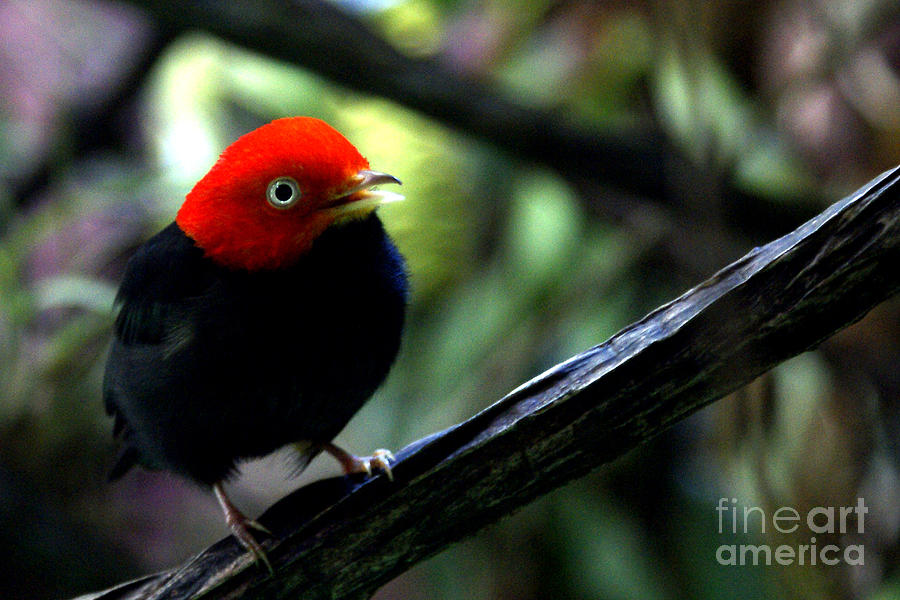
(361,199)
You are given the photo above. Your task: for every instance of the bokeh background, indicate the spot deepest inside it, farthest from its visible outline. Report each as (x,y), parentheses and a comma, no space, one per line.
(748,116)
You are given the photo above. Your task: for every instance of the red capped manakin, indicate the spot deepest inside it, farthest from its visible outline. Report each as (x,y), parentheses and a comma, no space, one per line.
(266,314)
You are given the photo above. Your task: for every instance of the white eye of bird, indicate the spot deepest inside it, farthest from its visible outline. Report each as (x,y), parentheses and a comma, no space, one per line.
(283,192)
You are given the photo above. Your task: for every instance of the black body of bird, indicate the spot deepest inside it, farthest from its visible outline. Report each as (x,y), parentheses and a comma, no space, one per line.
(211,365)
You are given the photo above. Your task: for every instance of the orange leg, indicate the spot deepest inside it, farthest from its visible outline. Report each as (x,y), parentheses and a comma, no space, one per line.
(238,523)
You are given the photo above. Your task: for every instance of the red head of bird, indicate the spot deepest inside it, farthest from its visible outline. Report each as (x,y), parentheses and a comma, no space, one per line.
(275,190)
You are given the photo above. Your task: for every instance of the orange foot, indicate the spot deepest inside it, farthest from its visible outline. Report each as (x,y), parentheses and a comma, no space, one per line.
(381,460)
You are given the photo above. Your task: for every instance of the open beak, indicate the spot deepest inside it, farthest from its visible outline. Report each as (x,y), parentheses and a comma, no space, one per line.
(361,199)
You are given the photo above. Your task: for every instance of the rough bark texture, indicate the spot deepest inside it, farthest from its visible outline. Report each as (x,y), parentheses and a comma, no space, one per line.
(341,539)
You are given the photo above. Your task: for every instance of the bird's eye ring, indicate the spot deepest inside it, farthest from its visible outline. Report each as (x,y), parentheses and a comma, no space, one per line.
(283,192)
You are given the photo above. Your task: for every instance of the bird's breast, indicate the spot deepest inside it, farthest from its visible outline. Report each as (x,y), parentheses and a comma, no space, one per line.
(297,351)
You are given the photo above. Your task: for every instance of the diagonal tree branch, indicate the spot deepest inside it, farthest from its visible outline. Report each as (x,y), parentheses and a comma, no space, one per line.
(341,539)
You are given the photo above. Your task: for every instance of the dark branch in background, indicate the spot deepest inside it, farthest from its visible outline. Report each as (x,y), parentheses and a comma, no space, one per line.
(334,539)
(321,37)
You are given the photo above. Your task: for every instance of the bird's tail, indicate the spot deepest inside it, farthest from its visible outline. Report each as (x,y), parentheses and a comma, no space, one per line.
(302,455)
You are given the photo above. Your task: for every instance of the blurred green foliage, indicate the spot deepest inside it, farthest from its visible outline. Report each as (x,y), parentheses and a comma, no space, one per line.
(512,272)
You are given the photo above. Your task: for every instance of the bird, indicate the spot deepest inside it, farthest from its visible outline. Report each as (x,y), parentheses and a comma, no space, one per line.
(265,315)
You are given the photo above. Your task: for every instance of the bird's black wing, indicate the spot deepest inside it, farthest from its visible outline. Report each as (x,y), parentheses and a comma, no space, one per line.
(164,272)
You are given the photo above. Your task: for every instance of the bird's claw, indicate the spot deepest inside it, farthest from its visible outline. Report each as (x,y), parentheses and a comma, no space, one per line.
(239,525)
(380,459)
(258,526)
